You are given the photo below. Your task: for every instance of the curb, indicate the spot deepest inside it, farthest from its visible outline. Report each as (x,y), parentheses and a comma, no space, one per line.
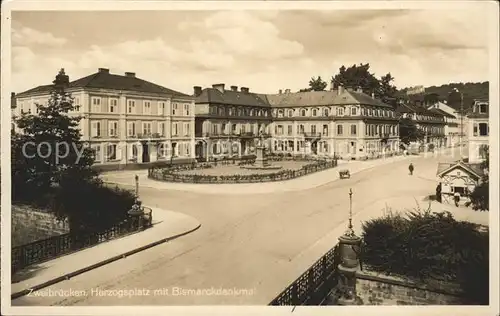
(68,276)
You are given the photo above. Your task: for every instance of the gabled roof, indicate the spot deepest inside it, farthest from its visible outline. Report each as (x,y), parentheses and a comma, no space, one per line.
(105,80)
(230,97)
(473,169)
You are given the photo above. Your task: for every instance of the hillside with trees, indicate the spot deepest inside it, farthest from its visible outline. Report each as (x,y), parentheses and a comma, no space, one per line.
(470,90)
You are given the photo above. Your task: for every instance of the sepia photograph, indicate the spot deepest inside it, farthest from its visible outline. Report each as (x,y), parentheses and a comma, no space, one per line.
(283,155)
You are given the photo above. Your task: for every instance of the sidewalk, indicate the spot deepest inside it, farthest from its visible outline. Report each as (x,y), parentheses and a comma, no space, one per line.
(167,225)
(303,183)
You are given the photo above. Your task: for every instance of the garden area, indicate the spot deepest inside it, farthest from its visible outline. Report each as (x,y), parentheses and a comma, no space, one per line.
(231,171)
(430,248)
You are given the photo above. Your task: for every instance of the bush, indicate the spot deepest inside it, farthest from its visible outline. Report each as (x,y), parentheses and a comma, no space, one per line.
(424,245)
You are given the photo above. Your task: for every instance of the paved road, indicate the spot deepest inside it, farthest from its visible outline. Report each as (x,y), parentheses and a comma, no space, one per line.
(256,243)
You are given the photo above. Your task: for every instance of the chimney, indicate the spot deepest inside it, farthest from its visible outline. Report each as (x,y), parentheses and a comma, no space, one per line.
(280,91)
(219,86)
(287,91)
(103,70)
(244,89)
(234,88)
(359,90)
(197,90)
(12,95)
(130,74)
(340,89)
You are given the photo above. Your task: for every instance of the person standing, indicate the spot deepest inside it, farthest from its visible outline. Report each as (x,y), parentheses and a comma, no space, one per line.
(456,197)
(411,168)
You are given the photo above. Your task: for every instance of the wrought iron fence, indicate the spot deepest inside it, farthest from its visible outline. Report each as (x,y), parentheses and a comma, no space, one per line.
(314,285)
(52,247)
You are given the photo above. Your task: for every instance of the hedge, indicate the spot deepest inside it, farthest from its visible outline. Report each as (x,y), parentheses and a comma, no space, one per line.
(425,245)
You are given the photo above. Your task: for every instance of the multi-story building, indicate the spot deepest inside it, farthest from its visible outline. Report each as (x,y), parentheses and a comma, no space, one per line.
(229,123)
(452,128)
(430,122)
(479,131)
(125,119)
(343,123)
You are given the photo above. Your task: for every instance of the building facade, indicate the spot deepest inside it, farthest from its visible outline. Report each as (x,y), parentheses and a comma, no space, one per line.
(344,123)
(125,119)
(478,131)
(458,177)
(229,123)
(431,123)
(452,128)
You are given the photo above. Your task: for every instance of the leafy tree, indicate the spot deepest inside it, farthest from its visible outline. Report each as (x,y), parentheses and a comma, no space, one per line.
(480,197)
(317,84)
(52,168)
(48,151)
(387,91)
(408,131)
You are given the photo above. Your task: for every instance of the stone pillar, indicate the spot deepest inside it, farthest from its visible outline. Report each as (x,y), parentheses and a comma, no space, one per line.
(349,246)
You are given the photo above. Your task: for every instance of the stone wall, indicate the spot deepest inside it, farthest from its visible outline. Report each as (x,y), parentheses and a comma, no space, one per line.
(378,289)
(29,225)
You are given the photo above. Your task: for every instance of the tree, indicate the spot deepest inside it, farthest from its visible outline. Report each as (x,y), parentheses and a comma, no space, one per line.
(317,84)
(408,131)
(48,151)
(359,76)
(480,197)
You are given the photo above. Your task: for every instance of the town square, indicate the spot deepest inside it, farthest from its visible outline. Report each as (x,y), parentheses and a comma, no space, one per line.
(295,181)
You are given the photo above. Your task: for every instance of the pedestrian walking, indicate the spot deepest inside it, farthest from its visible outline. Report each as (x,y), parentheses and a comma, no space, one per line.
(456,197)
(411,168)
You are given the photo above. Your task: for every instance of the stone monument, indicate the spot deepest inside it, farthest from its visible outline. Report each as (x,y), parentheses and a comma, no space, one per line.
(261,161)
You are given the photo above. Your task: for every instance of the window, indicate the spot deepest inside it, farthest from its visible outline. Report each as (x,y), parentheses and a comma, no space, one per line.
(76,105)
(326,112)
(186,129)
(96,104)
(301,129)
(483,108)
(315,112)
(96,129)
(313,129)
(483,151)
(325,130)
(147,107)
(134,152)
(186,109)
(354,111)
(224,128)
(97,152)
(353,129)
(175,129)
(174,108)
(113,105)
(161,108)
(290,129)
(239,112)
(146,128)
(111,154)
(113,128)
(279,129)
(131,129)
(280,113)
(290,113)
(340,111)
(251,112)
(483,129)
(243,128)
(234,128)
(161,129)
(187,151)
(213,110)
(340,129)
(131,107)
(303,112)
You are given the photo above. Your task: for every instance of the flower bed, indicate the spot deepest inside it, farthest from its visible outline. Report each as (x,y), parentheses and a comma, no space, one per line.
(171,173)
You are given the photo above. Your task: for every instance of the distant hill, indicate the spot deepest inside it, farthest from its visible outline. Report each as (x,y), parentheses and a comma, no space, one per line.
(470,90)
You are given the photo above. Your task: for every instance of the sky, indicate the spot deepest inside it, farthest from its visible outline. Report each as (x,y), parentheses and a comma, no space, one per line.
(260,49)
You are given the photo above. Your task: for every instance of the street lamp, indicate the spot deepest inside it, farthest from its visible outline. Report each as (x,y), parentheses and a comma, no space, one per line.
(137,210)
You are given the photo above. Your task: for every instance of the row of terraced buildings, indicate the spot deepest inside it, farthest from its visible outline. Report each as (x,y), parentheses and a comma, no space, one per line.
(128,120)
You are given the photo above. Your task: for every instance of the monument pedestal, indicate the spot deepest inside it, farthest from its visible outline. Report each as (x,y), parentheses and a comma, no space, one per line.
(261,159)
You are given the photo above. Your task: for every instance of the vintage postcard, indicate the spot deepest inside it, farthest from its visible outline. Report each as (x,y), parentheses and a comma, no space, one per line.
(249,157)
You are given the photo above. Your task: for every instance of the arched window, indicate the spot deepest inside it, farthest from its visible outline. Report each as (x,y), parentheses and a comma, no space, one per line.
(326,112)
(302,112)
(315,112)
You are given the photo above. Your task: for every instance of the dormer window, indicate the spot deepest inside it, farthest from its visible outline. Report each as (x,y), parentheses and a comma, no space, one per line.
(354,111)
(483,108)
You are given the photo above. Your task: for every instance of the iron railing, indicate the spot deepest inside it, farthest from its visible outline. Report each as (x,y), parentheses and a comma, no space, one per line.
(314,285)
(46,249)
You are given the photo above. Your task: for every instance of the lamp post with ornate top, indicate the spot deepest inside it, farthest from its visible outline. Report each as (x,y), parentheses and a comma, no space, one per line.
(350,246)
(137,211)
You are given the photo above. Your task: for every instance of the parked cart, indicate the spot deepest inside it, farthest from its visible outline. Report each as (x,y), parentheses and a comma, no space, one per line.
(344,173)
